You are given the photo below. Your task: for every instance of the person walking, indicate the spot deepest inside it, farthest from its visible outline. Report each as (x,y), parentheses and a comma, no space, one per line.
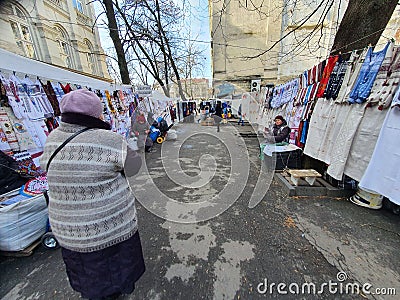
(240,115)
(92,210)
(140,128)
(218,115)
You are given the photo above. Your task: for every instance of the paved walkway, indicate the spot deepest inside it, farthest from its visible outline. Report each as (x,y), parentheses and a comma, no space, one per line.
(232,251)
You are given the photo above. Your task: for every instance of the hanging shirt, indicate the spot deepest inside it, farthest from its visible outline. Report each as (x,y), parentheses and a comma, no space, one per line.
(11,92)
(326,74)
(366,78)
(336,79)
(387,79)
(51,96)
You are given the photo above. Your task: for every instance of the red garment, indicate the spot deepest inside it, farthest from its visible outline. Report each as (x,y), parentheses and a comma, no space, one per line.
(67,88)
(298,136)
(321,67)
(51,95)
(326,74)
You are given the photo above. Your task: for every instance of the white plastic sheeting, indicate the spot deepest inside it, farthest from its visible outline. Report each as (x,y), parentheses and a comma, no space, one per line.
(22,223)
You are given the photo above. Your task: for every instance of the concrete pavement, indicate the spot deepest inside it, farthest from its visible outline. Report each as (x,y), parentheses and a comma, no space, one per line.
(233,251)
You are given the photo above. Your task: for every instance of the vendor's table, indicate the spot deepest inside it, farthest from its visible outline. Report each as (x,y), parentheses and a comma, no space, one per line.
(285,156)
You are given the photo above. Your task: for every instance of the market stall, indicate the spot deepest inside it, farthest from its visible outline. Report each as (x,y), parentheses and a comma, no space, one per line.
(31,92)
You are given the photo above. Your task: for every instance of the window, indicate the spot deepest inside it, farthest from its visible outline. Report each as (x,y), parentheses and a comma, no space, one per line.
(64,47)
(22,33)
(57,2)
(91,59)
(78,5)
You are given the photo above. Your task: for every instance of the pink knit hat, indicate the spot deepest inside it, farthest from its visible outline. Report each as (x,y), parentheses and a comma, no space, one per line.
(82,102)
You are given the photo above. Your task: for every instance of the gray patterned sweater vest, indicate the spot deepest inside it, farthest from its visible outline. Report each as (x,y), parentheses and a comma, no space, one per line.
(91,205)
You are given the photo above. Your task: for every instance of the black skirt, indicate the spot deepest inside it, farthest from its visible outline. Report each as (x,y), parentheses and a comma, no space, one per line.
(113,270)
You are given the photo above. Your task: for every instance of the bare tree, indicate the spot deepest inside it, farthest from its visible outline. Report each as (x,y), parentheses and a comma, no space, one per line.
(150,33)
(112,22)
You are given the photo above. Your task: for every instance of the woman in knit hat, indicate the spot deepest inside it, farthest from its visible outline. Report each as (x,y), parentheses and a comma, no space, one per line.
(140,128)
(91,207)
(280,131)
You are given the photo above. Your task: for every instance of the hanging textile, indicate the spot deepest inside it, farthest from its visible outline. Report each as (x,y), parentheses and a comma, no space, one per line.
(353,69)
(109,102)
(382,175)
(344,140)
(51,124)
(37,97)
(58,90)
(336,79)
(387,79)
(364,143)
(320,70)
(8,130)
(396,98)
(304,131)
(317,128)
(326,74)
(22,135)
(66,88)
(4,145)
(366,78)
(12,98)
(33,109)
(51,96)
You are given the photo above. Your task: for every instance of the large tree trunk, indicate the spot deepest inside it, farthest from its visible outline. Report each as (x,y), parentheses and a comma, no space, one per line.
(362,24)
(112,24)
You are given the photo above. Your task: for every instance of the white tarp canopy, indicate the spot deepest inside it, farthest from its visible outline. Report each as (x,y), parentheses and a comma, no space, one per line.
(13,62)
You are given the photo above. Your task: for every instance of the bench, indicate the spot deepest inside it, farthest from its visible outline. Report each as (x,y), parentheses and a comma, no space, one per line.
(309,176)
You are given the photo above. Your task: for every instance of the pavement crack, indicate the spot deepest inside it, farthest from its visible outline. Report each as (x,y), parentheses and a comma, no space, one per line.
(384,229)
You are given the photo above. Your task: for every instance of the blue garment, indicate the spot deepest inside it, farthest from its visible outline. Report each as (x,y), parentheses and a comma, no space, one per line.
(366,78)
(304,133)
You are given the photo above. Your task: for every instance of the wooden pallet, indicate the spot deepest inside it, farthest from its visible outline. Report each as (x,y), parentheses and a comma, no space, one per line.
(309,176)
(23,253)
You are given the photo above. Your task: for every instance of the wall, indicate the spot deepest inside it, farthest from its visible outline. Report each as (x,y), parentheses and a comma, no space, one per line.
(241,32)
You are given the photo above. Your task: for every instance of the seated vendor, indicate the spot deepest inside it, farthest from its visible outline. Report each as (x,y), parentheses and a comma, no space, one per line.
(280,131)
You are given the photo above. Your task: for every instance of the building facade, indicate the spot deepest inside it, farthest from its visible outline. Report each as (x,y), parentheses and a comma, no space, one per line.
(194,88)
(269,41)
(59,32)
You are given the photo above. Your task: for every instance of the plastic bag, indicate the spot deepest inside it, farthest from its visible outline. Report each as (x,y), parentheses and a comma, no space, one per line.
(132,143)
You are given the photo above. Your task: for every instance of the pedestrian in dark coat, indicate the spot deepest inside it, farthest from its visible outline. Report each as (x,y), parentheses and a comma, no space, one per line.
(92,210)
(218,115)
